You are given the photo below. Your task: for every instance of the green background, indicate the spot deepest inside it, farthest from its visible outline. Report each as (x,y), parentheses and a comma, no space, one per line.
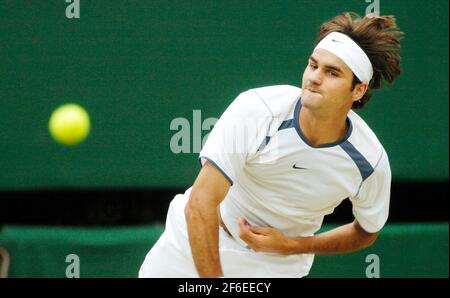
(137,65)
(404,250)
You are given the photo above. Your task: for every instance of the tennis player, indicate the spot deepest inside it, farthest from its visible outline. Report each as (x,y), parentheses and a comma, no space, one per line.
(280,158)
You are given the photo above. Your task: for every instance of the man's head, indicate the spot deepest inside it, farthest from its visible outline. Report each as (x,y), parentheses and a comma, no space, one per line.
(351,57)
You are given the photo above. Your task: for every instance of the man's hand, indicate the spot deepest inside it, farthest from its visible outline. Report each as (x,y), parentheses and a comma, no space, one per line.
(264,239)
(344,239)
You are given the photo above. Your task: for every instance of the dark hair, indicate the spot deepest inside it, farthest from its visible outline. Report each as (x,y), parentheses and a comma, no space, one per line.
(378,37)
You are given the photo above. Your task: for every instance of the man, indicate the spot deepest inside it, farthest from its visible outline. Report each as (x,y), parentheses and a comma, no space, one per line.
(280,158)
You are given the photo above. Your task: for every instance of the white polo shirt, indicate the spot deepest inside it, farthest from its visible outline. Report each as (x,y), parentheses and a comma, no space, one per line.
(281,181)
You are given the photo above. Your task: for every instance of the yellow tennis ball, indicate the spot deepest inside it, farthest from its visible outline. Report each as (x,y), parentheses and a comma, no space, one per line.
(69,124)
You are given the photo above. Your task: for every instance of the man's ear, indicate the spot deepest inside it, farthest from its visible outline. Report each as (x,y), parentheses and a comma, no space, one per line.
(359,91)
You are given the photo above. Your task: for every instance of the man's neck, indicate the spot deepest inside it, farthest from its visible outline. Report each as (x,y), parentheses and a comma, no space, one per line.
(319,128)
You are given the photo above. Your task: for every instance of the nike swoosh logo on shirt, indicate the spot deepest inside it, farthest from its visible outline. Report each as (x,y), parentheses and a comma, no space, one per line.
(336,41)
(299,168)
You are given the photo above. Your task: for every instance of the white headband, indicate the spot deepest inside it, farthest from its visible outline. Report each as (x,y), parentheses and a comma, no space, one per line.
(348,51)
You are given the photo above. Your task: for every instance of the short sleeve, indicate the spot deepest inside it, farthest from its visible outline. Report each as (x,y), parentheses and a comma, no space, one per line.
(238,132)
(371,204)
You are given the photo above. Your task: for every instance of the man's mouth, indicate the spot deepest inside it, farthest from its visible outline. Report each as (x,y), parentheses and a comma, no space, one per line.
(312,90)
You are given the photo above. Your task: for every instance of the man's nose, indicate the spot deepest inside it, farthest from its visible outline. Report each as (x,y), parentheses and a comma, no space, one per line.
(315,77)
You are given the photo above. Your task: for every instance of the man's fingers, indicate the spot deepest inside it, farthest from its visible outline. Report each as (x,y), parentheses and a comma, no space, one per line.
(244,222)
(259,230)
(247,228)
(242,225)
(245,233)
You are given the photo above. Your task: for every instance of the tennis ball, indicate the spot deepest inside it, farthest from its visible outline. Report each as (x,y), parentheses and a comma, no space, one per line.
(69,124)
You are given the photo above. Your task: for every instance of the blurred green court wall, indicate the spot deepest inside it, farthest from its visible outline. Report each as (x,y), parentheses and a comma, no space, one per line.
(403,250)
(138,65)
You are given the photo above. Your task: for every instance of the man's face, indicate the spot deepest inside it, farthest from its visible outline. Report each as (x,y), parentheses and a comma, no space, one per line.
(326,83)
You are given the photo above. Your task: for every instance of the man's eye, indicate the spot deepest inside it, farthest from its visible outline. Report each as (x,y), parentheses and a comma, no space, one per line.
(313,66)
(334,74)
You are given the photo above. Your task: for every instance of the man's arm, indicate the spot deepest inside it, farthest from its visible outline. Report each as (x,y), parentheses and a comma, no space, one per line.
(208,191)
(347,238)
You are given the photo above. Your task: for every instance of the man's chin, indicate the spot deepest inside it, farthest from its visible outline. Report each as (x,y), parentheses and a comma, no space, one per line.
(309,96)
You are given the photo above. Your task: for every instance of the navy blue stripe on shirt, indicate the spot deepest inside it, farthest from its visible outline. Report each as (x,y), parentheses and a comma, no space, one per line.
(361,162)
(298,107)
(215,165)
(286,124)
(264,143)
